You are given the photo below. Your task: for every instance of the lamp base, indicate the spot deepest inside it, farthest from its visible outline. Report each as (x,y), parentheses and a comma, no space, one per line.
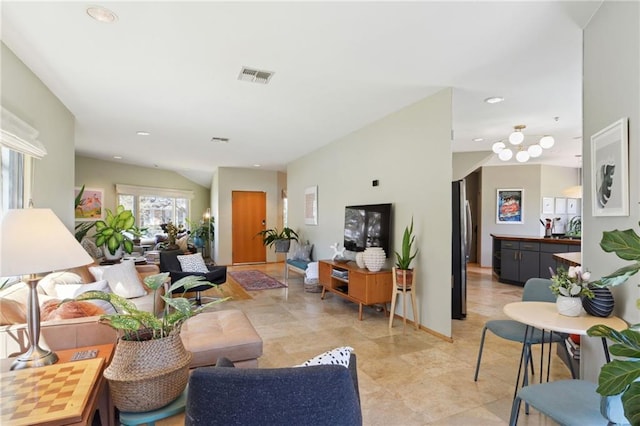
(34,357)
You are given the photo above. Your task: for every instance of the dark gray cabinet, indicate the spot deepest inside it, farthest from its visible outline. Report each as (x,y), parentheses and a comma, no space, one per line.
(547,260)
(516,260)
(519,261)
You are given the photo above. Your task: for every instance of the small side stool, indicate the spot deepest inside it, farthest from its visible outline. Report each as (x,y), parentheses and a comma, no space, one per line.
(403,289)
(150,417)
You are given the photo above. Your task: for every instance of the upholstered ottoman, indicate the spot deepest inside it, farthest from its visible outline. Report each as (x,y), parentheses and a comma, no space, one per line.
(227,333)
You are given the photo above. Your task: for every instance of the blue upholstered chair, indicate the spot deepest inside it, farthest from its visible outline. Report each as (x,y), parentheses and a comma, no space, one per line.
(319,395)
(535,290)
(570,403)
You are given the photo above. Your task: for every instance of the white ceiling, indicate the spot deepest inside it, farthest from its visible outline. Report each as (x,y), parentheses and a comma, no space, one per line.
(171,68)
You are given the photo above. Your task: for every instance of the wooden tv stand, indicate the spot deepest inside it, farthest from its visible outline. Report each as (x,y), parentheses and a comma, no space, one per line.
(356,284)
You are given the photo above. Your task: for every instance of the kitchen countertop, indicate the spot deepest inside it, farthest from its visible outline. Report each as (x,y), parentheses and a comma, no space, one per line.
(530,238)
(572,259)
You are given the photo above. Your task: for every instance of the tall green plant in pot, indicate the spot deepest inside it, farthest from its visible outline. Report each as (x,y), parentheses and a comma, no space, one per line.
(404,273)
(621,376)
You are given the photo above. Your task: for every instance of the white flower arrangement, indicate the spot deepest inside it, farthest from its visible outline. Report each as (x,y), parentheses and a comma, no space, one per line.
(571,283)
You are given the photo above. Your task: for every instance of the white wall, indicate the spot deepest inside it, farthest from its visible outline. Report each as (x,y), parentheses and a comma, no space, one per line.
(28,98)
(611,91)
(409,153)
(537,181)
(229,179)
(103,174)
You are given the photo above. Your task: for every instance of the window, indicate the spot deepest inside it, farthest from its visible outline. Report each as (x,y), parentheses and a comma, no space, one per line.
(18,147)
(155,206)
(12,165)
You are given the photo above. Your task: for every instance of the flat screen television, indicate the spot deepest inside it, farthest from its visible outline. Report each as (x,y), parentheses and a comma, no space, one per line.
(367,226)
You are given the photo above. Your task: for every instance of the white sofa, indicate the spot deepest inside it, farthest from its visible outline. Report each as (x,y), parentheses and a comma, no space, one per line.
(64,333)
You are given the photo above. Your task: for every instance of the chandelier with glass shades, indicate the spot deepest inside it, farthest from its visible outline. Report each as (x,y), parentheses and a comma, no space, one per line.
(523,153)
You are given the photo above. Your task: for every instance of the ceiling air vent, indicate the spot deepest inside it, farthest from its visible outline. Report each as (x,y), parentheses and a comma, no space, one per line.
(254,75)
(221,140)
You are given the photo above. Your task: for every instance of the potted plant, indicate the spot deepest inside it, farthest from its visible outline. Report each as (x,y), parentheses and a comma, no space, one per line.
(111,232)
(150,366)
(570,285)
(281,240)
(404,274)
(620,376)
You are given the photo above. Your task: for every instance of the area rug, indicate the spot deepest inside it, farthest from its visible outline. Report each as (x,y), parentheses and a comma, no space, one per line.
(255,280)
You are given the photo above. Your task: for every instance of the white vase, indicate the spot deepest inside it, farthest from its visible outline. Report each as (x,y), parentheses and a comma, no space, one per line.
(112,257)
(569,306)
(374,258)
(360,260)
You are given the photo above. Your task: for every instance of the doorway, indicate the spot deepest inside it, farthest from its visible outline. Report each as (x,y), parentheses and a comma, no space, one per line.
(248,218)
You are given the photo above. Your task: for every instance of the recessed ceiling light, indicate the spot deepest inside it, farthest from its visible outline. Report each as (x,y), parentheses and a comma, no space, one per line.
(494,100)
(142,133)
(102,14)
(117,157)
(256,165)
(477,139)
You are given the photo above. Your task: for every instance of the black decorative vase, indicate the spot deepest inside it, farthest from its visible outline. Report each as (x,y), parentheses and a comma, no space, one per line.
(602,303)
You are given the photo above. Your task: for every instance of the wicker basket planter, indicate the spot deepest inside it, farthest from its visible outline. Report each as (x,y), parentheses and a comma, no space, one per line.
(147,375)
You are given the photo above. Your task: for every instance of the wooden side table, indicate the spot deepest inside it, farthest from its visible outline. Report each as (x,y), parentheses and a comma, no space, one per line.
(79,388)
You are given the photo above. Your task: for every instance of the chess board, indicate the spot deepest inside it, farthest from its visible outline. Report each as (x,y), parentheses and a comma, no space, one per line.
(56,393)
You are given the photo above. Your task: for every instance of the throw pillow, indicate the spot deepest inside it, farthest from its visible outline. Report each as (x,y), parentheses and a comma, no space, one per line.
(303,252)
(12,312)
(192,263)
(182,242)
(53,310)
(49,282)
(123,278)
(102,286)
(90,246)
(338,356)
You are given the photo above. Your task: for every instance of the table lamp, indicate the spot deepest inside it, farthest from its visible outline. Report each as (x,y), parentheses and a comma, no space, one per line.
(35,241)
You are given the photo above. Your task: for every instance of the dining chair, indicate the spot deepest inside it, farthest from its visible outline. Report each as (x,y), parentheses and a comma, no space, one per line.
(535,290)
(570,403)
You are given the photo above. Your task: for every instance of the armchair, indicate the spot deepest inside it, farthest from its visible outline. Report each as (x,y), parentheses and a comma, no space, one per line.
(169,263)
(314,395)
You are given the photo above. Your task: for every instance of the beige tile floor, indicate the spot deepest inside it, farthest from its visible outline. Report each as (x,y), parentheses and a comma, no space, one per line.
(406,378)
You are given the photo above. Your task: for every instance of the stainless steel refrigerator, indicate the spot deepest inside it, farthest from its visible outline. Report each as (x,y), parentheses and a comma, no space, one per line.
(460,246)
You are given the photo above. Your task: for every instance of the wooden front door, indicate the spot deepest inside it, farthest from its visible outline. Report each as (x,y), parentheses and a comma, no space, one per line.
(248,217)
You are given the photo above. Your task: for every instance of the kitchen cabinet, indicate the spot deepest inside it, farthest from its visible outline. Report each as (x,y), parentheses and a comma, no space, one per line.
(519,261)
(518,258)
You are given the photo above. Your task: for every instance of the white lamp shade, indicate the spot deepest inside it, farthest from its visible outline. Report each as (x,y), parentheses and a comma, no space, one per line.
(522,156)
(516,138)
(505,154)
(497,147)
(547,142)
(535,150)
(34,241)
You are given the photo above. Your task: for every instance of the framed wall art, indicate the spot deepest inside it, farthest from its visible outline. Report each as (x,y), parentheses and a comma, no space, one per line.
(572,206)
(609,168)
(561,206)
(311,205)
(547,205)
(509,204)
(90,204)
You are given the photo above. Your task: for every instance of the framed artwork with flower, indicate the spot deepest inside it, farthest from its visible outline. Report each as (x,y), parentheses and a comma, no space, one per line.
(89,206)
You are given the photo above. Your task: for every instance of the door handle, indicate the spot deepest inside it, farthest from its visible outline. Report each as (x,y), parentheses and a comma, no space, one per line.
(264,222)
